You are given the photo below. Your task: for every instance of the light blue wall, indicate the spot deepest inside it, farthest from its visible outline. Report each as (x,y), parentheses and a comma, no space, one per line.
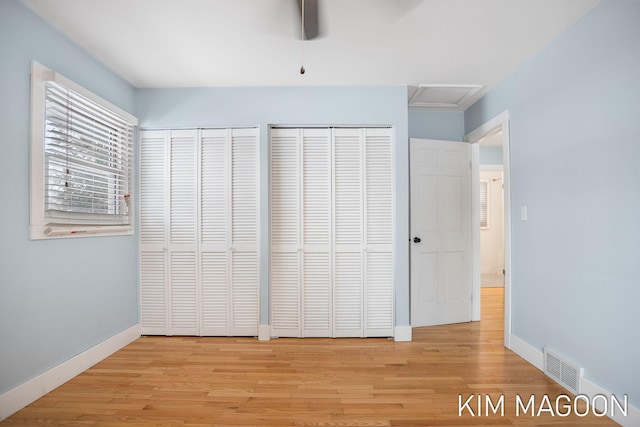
(575,148)
(448,126)
(168,108)
(490,155)
(57,297)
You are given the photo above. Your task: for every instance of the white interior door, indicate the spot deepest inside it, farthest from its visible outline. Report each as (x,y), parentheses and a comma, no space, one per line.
(441,233)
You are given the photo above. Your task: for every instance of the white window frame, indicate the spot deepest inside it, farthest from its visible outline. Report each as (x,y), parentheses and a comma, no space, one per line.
(39,229)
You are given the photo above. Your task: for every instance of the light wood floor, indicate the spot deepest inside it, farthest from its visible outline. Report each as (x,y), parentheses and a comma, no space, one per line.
(492,280)
(190,381)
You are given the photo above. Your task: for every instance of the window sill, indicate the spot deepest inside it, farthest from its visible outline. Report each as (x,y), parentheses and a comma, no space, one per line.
(45,232)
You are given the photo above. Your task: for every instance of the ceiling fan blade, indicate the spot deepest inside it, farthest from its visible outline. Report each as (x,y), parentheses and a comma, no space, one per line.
(311,20)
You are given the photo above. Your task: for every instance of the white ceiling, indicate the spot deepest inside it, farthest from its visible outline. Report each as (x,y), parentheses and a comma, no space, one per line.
(204,43)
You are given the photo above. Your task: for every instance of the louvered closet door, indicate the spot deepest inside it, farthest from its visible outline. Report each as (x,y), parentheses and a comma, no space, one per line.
(183,228)
(154,194)
(215,239)
(199,232)
(348,215)
(244,232)
(229,232)
(285,233)
(316,233)
(331,231)
(378,291)
(301,232)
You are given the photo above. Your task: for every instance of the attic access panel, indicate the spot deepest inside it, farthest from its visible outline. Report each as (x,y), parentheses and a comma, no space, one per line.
(443,97)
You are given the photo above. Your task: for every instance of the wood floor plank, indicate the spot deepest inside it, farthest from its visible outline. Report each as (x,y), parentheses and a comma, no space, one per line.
(194,381)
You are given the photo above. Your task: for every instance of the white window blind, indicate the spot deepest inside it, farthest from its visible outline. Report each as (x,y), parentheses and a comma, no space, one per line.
(484,204)
(84,148)
(88,156)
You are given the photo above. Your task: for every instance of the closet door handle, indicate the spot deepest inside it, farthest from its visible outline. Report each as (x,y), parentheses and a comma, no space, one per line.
(417,239)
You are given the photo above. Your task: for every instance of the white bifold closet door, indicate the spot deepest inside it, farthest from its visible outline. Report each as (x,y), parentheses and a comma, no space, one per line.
(198,232)
(331,232)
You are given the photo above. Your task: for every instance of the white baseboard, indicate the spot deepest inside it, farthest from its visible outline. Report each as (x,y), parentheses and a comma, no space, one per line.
(527,352)
(402,333)
(587,387)
(264,332)
(24,394)
(632,419)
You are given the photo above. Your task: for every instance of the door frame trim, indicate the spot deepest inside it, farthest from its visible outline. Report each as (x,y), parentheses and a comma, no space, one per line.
(496,124)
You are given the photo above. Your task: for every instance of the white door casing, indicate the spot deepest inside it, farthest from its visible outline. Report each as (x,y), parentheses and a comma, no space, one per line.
(441,249)
(496,124)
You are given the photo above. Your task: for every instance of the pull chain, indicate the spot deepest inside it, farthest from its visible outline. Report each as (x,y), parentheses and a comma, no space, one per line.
(302,70)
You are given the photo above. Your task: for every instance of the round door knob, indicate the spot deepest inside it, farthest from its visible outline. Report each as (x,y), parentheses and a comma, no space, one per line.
(417,240)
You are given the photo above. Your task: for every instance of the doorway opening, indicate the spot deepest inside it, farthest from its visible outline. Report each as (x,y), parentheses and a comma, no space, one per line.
(491,171)
(491,232)
(491,212)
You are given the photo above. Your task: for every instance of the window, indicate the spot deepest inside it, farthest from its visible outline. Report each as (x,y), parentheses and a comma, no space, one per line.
(82,158)
(484,204)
